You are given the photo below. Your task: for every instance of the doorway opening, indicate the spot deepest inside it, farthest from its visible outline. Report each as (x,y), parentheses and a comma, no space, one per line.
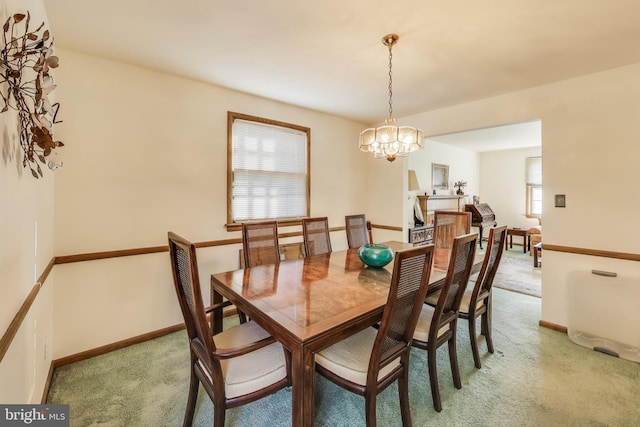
(492,162)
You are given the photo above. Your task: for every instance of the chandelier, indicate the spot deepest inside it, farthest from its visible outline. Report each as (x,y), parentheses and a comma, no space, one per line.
(391,141)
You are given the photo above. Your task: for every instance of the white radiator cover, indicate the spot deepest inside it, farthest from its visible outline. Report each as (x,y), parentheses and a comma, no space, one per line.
(604,314)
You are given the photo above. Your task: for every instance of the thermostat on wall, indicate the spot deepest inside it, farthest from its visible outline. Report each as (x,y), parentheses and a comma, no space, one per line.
(560,201)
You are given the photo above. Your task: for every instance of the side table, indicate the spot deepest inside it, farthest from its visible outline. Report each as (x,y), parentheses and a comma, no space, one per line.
(526,242)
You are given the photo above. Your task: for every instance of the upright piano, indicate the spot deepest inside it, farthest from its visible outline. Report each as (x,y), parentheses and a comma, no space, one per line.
(481,216)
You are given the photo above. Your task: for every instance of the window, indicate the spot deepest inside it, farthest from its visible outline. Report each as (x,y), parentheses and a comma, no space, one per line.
(267,170)
(534,187)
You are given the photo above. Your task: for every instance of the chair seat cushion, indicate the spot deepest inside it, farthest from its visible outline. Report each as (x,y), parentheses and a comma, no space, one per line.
(349,358)
(424,324)
(464,304)
(536,238)
(433,299)
(535,230)
(466,299)
(253,371)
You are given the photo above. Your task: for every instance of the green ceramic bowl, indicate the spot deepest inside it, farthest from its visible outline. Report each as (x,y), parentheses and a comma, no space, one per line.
(374,255)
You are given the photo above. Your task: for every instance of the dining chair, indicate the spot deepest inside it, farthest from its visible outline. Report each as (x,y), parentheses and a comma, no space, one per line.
(446,226)
(437,325)
(357,230)
(260,243)
(367,362)
(260,246)
(235,367)
(315,232)
(476,300)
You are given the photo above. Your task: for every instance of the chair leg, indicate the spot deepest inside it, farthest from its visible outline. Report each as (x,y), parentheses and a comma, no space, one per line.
(433,377)
(486,325)
(219,412)
(453,359)
(474,340)
(370,407)
(403,391)
(194,385)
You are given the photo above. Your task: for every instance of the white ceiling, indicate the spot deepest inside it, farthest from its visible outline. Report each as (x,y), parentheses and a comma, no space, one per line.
(516,135)
(328,56)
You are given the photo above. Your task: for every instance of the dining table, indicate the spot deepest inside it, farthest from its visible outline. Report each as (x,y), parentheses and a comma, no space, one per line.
(309,304)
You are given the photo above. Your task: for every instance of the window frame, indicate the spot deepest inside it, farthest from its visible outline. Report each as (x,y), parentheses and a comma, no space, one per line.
(533,171)
(232,225)
(530,188)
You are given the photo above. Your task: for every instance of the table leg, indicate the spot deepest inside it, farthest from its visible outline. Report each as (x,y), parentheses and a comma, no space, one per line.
(526,240)
(302,375)
(216,315)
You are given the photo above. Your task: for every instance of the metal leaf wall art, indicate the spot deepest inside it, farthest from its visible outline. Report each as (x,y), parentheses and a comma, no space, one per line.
(25,84)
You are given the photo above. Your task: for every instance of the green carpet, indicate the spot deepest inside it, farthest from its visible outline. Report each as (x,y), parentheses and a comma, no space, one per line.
(536,377)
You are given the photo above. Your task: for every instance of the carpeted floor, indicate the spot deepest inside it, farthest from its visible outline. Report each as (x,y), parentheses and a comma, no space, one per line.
(536,377)
(517,273)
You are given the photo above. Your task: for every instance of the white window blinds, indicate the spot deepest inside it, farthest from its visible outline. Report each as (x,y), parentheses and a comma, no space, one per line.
(269,171)
(534,170)
(534,186)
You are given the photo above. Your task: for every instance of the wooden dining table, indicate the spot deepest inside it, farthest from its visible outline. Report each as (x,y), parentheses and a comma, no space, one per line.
(309,304)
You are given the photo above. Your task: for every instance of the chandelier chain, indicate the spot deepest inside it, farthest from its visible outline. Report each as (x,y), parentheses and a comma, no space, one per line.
(390,84)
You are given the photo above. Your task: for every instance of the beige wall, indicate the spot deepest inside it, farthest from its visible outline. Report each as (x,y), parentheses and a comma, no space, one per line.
(590,130)
(503,181)
(26,233)
(145,154)
(463,166)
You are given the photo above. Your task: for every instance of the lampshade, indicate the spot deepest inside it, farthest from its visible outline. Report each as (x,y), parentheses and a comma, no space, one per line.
(390,140)
(413,181)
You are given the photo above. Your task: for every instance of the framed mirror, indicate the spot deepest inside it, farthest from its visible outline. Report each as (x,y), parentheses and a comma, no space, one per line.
(440,176)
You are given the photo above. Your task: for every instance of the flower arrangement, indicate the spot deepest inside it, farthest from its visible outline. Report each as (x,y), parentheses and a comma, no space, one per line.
(460,185)
(25,60)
